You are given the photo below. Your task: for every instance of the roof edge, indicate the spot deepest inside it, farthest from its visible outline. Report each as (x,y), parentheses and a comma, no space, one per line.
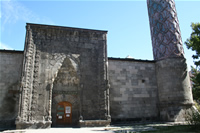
(65,27)
(11,51)
(128,59)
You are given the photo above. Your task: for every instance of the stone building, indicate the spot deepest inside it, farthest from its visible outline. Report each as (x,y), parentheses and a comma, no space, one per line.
(64,77)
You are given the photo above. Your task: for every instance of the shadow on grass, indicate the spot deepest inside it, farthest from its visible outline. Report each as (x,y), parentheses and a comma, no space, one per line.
(158,129)
(131,128)
(176,129)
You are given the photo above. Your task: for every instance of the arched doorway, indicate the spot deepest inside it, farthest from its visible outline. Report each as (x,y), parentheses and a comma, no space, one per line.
(64,114)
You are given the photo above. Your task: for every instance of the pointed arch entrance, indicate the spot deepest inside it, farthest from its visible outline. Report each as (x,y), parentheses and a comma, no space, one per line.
(64,114)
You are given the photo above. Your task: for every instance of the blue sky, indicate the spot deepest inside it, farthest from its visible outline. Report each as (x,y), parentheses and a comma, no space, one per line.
(127,22)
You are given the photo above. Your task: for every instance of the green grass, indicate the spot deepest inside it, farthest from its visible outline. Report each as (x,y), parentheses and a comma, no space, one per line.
(175,129)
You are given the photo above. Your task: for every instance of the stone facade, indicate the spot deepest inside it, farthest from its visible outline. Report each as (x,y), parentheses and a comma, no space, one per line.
(10,73)
(63,64)
(64,77)
(133,89)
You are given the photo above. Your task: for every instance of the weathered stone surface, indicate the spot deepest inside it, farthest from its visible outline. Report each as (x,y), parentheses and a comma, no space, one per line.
(174,90)
(133,91)
(94,123)
(63,64)
(10,72)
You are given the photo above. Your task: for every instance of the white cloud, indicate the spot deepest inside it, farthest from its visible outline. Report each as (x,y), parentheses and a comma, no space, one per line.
(4,46)
(13,11)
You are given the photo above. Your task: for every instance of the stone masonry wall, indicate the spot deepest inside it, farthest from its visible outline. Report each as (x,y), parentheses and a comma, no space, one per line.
(174,90)
(133,91)
(10,72)
(63,64)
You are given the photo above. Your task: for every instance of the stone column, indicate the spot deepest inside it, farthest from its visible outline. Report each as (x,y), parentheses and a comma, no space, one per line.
(108,116)
(174,90)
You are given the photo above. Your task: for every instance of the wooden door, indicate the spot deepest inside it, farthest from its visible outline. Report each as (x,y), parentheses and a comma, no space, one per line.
(64,113)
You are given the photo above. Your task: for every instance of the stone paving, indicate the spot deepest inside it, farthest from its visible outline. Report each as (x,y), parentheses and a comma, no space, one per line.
(131,128)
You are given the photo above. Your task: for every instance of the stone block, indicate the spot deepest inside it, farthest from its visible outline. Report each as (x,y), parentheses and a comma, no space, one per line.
(94,123)
(132,90)
(10,67)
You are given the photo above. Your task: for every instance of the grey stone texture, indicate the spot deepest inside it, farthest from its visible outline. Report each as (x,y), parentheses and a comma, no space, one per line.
(10,72)
(133,89)
(174,90)
(94,123)
(63,64)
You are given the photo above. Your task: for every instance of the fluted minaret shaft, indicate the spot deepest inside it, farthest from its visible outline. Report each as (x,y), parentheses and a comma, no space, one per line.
(165,31)
(173,82)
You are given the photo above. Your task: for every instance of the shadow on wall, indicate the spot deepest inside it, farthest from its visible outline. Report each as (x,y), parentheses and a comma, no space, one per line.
(185,71)
(9,106)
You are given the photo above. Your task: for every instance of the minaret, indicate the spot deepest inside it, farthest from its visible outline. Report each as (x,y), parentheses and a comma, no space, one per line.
(174,90)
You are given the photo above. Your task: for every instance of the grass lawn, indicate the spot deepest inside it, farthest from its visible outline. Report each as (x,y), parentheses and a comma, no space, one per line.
(175,129)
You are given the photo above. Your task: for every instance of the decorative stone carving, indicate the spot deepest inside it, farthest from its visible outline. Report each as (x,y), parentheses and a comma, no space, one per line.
(35,85)
(165,31)
(27,78)
(53,70)
(78,55)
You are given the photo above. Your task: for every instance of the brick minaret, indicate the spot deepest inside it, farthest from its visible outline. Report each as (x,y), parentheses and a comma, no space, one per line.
(174,90)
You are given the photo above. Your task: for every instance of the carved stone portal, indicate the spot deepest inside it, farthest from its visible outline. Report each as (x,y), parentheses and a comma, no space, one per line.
(63,64)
